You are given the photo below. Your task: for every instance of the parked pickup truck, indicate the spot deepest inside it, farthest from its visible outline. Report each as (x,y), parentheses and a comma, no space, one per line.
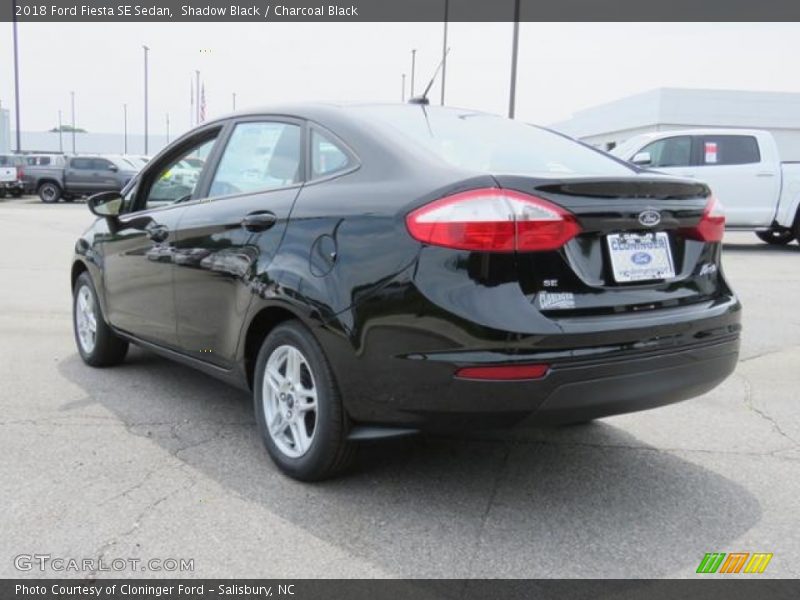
(80,176)
(11,175)
(743,168)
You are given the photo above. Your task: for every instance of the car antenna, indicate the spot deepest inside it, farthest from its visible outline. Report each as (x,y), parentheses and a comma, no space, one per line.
(423,99)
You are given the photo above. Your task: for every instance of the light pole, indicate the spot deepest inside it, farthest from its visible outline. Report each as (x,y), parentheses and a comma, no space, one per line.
(514,51)
(444,47)
(197,97)
(146,52)
(16,75)
(167,128)
(403,93)
(60,132)
(413,68)
(72,103)
(125,125)
(234,100)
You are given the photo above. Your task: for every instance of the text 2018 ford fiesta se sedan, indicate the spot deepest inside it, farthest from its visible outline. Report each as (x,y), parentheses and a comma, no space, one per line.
(370,271)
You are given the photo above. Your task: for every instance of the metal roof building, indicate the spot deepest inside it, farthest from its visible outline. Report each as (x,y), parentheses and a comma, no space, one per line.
(607,125)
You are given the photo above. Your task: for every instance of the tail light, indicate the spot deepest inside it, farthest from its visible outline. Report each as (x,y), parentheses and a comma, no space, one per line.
(711,227)
(504,372)
(20,173)
(493,220)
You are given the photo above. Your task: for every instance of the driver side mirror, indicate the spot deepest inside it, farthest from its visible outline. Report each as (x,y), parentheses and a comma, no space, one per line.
(641,158)
(113,168)
(105,204)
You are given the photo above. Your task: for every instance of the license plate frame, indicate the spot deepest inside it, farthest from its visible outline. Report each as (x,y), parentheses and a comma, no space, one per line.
(640,256)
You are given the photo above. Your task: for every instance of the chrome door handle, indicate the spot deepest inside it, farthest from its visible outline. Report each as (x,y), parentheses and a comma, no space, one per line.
(765,174)
(259,221)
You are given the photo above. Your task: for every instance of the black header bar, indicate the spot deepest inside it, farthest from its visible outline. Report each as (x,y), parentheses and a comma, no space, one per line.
(396,10)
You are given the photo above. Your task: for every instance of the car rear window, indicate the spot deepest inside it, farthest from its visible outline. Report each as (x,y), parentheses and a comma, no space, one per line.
(490,143)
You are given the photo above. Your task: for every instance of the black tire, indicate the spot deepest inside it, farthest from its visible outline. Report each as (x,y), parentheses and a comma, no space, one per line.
(108,348)
(776,237)
(329,452)
(49,192)
(2,193)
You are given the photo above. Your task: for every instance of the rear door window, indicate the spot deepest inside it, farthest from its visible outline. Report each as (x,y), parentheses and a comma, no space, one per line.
(728,150)
(259,156)
(81,163)
(670,152)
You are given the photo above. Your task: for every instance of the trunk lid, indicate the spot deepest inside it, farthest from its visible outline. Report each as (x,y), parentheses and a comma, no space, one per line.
(624,222)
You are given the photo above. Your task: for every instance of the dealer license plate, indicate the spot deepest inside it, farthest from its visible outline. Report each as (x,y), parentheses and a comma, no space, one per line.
(640,256)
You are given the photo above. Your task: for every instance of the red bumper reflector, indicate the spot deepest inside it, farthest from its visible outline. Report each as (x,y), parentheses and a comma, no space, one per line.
(504,372)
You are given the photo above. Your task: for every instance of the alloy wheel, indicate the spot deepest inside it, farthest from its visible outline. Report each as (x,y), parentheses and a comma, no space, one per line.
(290,401)
(86,319)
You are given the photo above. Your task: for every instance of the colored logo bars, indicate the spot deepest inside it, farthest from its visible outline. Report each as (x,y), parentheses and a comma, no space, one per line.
(736,562)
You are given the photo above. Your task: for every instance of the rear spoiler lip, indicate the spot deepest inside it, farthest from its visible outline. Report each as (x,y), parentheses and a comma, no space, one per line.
(666,188)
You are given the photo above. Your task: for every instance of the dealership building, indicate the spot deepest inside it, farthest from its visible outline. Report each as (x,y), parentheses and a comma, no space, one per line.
(664,109)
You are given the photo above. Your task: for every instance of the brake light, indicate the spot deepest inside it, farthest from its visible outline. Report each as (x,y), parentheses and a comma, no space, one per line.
(504,372)
(20,173)
(711,227)
(493,220)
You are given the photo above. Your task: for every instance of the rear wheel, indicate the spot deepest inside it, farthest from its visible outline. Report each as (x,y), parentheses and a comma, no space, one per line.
(776,237)
(97,344)
(298,407)
(49,192)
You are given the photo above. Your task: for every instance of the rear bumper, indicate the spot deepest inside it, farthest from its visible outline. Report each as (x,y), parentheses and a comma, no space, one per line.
(570,392)
(12,185)
(638,362)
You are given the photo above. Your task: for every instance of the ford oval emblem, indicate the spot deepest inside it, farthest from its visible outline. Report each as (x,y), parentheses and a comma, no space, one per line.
(650,218)
(641,258)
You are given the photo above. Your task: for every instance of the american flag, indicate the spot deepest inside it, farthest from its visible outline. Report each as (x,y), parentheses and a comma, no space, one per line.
(203,103)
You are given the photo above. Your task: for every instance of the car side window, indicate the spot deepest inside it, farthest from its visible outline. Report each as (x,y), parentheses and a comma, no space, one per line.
(259,156)
(670,152)
(101,164)
(81,163)
(729,150)
(177,180)
(327,157)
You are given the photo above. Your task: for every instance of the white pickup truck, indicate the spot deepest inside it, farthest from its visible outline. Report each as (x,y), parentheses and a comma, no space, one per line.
(742,167)
(11,174)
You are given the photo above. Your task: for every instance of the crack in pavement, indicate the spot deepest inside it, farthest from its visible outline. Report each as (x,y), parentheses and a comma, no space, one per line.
(749,403)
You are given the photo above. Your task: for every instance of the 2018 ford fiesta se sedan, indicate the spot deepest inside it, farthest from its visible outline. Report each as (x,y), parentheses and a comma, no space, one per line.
(370,271)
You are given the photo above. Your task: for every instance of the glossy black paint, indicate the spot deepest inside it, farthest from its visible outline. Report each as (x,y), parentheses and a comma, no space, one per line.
(202,281)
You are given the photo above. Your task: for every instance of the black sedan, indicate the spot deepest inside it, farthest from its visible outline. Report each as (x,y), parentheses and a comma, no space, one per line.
(372,271)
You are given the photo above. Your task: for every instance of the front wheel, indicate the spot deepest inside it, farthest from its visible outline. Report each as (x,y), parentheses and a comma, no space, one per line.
(298,407)
(776,237)
(97,344)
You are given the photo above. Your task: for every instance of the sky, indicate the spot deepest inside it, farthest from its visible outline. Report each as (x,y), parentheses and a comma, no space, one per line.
(563,67)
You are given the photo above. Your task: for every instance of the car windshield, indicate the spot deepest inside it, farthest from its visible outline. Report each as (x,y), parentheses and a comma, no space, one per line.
(489,143)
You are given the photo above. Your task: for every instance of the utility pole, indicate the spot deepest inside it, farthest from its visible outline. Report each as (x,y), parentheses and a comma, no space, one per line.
(197,97)
(125,125)
(514,52)
(413,68)
(60,133)
(234,100)
(444,47)
(146,51)
(403,93)
(16,76)
(167,128)
(72,103)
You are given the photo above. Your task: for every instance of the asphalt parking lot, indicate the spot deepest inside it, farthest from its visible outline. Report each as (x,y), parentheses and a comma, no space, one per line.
(154,460)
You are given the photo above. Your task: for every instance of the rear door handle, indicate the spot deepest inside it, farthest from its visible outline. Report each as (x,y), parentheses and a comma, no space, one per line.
(765,174)
(157,233)
(259,221)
